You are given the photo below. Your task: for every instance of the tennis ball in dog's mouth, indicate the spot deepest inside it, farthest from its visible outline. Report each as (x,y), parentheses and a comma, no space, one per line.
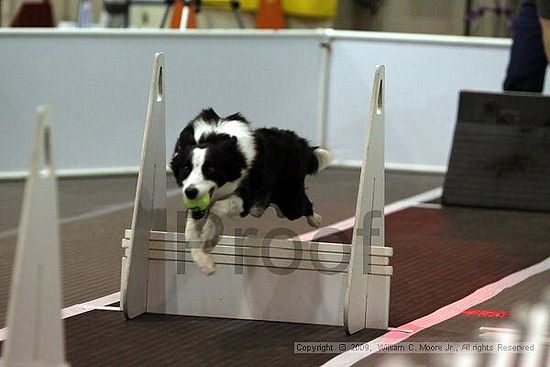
(199,204)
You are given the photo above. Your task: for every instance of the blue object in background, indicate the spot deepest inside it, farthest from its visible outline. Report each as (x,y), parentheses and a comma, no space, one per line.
(85,14)
(528,62)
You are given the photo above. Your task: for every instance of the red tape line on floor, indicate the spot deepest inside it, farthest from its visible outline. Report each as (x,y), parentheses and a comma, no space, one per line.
(491,314)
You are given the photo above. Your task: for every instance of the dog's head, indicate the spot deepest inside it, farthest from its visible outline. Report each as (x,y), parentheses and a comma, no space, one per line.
(212,155)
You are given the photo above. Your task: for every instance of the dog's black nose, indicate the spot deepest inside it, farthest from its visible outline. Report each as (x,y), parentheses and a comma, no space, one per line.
(191,192)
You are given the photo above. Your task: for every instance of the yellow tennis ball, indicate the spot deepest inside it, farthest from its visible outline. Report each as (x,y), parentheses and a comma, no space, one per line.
(199,204)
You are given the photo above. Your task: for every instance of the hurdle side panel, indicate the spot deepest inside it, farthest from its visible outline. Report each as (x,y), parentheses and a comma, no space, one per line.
(369,228)
(36,335)
(150,202)
(247,292)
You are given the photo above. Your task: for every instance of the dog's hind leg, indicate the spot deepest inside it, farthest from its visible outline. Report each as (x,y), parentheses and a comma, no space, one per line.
(257,211)
(299,207)
(313,219)
(259,207)
(278,210)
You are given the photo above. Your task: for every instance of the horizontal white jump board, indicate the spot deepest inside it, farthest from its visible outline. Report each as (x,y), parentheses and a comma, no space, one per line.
(243,255)
(252,256)
(339,248)
(283,254)
(279,263)
(267,252)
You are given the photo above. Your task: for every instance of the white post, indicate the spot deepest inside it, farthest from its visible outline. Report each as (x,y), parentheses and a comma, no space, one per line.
(185,17)
(367,294)
(150,203)
(324,80)
(35,328)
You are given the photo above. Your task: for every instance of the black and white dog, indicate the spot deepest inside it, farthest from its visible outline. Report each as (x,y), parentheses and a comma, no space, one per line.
(244,171)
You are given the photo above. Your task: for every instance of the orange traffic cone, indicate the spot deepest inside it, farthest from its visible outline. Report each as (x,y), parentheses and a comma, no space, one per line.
(177,14)
(270,15)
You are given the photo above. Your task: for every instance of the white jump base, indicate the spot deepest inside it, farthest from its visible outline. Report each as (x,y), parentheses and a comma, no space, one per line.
(258,279)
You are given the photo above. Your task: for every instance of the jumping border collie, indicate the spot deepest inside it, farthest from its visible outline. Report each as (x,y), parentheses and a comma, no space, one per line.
(244,171)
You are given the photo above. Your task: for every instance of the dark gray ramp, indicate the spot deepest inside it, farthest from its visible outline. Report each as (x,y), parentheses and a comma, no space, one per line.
(501,152)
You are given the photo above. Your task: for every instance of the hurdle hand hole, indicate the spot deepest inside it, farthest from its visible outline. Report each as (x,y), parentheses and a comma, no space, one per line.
(379,98)
(47,149)
(159,85)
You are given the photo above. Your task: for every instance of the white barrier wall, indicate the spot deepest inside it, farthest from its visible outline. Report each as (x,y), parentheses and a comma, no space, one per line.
(423,79)
(97,82)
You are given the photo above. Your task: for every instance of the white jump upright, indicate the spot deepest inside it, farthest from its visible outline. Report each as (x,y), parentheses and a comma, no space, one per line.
(258,279)
(363,278)
(35,328)
(150,204)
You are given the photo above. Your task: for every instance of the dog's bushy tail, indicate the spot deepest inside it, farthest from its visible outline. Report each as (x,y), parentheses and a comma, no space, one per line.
(320,159)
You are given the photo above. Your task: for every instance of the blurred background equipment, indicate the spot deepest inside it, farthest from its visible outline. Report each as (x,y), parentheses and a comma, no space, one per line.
(34,14)
(84,18)
(155,14)
(270,15)
(116,13)
(500,152)
(311,8)
(372,5)
(183,14)
(488,18)
(502,10)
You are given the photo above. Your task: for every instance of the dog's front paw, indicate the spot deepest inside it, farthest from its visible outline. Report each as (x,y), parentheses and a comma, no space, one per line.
(209,269)
(208,246)
(209,236)
(194,228)
(203,261)
(314,220)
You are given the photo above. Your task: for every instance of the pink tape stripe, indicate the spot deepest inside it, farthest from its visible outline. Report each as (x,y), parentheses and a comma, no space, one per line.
(445,313)
(75,310)
(388,209)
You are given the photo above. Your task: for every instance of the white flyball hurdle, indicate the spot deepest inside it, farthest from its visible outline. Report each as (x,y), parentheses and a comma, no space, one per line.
(258,279)
(35,328)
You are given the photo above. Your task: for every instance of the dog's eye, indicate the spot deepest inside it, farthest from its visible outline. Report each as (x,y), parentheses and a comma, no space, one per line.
(185,170)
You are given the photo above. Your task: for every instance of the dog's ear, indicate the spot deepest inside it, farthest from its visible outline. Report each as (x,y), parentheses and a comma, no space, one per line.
(175,162)
(186,139)
(236,117)
(208,115)
(185,142)
(174,165)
